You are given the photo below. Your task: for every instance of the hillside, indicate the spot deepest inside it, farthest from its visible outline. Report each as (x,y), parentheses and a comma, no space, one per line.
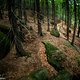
(13,67)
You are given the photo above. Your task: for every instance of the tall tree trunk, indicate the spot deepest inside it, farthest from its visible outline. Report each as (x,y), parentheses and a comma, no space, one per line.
(9,9)
(78,28)
(78,21)
(47,8)
(1,17)
(42,9)
(53,14)
(20,10)
(15,30)
(68,18)
(75,23)
(34,8)
(24,11)
(20,14)
(39,17)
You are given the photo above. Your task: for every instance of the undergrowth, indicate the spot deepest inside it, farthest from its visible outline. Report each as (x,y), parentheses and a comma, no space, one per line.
(55,32)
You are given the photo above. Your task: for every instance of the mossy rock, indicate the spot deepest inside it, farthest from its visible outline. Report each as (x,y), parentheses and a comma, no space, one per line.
(63,75)
(56,60)
(41,74)
(55,32)
(49,48)
(4,45)
(54,55)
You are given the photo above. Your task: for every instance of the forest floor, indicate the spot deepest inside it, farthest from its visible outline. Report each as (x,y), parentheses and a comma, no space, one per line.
(15,67)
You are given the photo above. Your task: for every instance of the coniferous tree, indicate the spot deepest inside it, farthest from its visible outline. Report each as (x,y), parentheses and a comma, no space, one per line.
(53,14)
(75,23)
(68,18)
(47,8)
(38,17)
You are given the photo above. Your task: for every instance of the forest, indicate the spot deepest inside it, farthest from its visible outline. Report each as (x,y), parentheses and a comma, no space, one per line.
(39,39)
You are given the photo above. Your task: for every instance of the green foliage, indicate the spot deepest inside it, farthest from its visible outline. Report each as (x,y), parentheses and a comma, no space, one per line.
(55,33)
(54,55)
(63,75)
(41,74)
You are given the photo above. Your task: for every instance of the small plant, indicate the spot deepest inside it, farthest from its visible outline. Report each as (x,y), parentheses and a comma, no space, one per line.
(41,74)
(55,33)
(63,75)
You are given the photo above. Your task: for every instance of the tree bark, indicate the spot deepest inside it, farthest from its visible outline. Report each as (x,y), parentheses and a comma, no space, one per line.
(53,14)
(47,8)
(38,17)
(75,23)
(78,21)
(68,18)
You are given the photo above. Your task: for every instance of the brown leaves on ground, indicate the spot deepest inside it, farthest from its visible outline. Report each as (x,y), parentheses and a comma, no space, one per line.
(16,67)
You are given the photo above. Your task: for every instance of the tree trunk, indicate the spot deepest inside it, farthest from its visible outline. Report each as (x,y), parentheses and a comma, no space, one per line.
(39,17)
(68,18)
(15,30)
(9,9)
(53,14)
(24,11)
(42,9)
(47,8)
(75,23)
(1,17)
(78,21)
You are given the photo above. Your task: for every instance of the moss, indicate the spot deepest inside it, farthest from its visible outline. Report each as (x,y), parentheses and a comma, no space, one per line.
(54,55)
(56,60)
(55,33)
(49,47)
(63,75)
(41,74)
